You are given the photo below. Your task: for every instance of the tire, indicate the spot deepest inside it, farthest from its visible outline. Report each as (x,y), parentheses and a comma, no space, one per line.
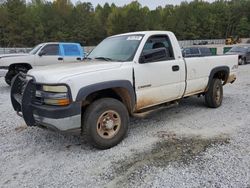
(242,61)
(214,95)
(105,123)
(13,72)
(9,76)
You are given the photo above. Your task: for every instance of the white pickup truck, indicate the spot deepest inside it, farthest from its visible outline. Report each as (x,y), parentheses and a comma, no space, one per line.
(124,75)
(43,54)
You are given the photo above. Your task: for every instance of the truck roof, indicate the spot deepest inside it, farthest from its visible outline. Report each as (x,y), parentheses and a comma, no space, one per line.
(60,43)
(145,33)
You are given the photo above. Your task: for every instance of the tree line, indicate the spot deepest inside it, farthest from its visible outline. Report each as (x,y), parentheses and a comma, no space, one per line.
(26,24)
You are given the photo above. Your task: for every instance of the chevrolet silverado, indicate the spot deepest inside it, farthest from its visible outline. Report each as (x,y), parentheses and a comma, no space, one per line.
(124,75)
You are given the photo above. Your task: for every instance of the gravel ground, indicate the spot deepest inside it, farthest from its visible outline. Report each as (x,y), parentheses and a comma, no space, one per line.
(188,145)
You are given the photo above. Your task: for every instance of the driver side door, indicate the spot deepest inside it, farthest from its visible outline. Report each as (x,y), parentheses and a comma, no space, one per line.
(158,80)
(48,55)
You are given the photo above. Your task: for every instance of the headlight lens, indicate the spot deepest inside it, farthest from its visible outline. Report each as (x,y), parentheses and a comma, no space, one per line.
(57,89)
(53,95)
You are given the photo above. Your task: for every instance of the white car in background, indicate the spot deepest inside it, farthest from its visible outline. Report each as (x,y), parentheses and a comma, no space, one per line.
(43,54)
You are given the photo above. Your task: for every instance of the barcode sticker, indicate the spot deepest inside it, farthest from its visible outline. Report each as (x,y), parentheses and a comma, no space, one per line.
(134,37)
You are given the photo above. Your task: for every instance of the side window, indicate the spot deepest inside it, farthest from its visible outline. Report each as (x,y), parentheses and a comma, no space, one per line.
(187,51)
(51,49)
(205,51)
(248,50)
(71,50)
(194,51)
(150,52)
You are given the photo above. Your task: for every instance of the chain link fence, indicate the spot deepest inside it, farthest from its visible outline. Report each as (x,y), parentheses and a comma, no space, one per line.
(187,43)
(87,49)
(14,50)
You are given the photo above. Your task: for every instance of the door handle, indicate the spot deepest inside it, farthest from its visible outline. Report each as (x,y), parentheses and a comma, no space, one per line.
(175,68)
(60,58)
(79,59)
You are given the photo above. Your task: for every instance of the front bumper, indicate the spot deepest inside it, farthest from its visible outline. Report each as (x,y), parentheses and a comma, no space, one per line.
(3,71)
(59,118)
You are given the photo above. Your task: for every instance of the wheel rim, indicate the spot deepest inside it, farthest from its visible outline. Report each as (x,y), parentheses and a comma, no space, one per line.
(240,61)
(217,94)
(108,124)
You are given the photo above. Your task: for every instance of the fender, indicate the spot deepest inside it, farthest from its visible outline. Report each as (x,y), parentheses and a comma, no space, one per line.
(85,91)
(216,70)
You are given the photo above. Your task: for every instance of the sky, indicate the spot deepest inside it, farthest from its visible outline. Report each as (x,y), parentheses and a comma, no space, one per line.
(152,4)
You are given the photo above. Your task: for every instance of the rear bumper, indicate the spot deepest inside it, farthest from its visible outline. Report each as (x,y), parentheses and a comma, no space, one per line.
(3,71)
(231,78)
(66,118)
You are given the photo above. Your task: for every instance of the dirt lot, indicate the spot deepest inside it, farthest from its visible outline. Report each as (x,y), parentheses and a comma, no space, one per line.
(185,146)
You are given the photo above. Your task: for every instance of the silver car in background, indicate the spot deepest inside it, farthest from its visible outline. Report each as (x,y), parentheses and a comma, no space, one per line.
(243,51)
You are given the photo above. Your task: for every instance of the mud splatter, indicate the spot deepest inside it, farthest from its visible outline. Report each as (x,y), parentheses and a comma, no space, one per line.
(169,149)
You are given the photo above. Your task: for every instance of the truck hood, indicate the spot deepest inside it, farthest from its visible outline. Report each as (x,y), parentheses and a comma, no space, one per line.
(55,73)
(8,59)
(13,55)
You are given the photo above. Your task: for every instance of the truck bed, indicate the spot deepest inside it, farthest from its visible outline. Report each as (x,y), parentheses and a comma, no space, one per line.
(199,68)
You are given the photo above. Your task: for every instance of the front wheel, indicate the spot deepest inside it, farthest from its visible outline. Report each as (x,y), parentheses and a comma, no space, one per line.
(214,95)
(13,72)
(105,123)
(9,76)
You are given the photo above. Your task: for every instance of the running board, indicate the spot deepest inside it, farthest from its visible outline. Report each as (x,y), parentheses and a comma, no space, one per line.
(143,113)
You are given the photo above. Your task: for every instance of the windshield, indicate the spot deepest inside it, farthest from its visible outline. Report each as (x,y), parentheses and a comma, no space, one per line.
(35,49)
(120,48)
(238,49)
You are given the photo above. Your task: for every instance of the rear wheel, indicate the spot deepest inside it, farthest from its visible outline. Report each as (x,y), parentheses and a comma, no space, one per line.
(105,123)
(242,61)
(214,95)
(13,72)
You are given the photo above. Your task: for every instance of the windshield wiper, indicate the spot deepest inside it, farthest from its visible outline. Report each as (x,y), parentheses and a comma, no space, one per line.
(104,58)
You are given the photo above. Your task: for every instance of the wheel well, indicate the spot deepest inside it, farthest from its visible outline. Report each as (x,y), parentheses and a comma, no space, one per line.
(220,73)
(223,75)
(120,94)
(16,65)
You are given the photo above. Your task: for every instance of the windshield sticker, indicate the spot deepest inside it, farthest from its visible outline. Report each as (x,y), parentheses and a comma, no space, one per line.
(134,37)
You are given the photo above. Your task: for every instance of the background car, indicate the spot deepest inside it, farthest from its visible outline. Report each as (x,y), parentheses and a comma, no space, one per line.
(196,52)
(243,51)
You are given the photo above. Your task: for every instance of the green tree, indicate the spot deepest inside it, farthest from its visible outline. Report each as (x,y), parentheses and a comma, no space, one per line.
(26,24)
(243,28)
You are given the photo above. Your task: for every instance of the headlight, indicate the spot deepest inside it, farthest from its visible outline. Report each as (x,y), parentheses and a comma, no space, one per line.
(53,95)
(57,89)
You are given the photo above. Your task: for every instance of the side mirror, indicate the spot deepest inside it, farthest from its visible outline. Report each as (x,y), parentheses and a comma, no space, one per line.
(41,53)
(153,55)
